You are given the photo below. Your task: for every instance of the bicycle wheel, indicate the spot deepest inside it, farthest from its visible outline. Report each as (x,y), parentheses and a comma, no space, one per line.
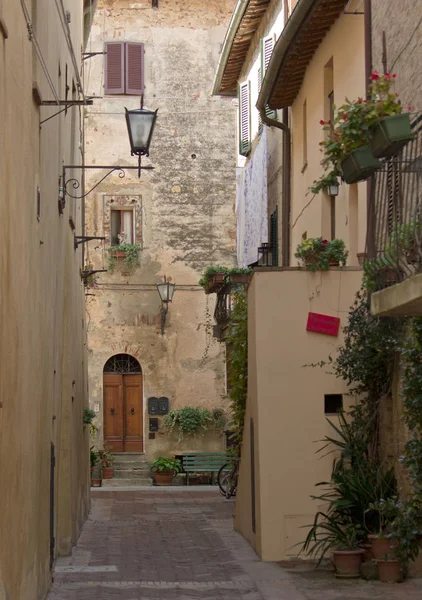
(231,486)
(223,477)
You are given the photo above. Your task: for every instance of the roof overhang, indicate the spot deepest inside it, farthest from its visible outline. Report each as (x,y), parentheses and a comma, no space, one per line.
(245,21)
(294,49)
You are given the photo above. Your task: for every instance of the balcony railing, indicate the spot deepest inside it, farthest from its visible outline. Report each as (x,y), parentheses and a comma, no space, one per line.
(224,306)
(395,223)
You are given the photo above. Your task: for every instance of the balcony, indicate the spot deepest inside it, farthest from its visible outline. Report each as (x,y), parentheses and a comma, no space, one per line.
(224,305)
(395,232)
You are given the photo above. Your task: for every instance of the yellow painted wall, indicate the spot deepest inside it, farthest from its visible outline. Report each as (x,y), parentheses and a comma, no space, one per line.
(349,82)
(286,400)
(43,382)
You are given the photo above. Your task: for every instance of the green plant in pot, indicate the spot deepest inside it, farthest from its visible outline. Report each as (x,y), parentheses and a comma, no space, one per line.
(164,469)
(318,254)
(213,278)
(94,457)
(129,253)
(389,126)
(385,549)
(96,475)
(88,416)
(107,460)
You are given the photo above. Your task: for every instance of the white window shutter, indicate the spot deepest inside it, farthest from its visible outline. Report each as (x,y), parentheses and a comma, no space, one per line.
(244,119)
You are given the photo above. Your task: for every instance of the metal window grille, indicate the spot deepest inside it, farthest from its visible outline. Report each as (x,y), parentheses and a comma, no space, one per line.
(122,363)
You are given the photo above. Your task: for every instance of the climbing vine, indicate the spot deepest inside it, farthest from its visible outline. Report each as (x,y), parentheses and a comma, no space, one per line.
(237,360)
(191,420)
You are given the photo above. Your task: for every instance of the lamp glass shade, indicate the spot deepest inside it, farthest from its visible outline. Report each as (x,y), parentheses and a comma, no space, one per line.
(332,189)
(166,291)
(140,125)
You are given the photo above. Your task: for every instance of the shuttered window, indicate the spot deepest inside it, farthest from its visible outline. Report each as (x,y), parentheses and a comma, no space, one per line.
(244,119)
(124,68)
(267,45)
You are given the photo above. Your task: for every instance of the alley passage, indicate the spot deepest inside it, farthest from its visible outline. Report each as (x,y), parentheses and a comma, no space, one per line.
(168,544)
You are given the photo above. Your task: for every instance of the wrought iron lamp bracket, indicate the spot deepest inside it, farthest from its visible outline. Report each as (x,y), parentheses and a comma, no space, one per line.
(81,239)
(76,184)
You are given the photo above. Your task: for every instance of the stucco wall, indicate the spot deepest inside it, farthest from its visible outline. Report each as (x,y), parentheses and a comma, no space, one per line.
(349,82)
(186,206)
(43,382)
(286,400)
(403,36)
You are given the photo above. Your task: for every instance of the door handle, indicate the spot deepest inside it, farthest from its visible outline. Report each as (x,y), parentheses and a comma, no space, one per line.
(132,411)
(112,411)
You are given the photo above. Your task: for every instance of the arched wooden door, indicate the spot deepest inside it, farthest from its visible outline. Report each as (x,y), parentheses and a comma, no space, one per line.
(123,407)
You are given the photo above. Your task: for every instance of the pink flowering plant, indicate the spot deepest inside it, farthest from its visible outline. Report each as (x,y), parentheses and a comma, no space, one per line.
(316,254)
(351,128)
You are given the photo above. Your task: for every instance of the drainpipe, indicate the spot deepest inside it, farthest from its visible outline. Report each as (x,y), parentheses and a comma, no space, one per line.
(286,168)
(370,222)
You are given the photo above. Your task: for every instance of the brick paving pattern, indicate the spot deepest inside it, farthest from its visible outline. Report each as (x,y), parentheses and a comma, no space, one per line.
(172,544)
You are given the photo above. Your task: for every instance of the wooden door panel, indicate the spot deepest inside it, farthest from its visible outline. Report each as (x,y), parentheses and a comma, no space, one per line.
(132,390)
(113,412)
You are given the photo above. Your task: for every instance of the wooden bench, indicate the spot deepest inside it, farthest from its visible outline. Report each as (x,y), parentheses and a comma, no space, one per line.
(203,462)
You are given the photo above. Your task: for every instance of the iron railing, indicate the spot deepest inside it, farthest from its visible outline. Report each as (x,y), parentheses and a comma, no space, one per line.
(224,306)
(395,219)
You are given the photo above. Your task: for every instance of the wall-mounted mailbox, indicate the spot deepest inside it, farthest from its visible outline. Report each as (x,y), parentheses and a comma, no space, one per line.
(153,406)
(163,405)
(153,424)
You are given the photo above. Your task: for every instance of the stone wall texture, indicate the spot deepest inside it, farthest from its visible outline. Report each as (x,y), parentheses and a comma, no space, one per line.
(43,363)
(184,208)
(402,24)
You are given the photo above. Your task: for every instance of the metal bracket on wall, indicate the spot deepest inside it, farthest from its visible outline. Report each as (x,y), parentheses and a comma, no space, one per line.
(86,55)
(76,184)
(81,239)
(66,103)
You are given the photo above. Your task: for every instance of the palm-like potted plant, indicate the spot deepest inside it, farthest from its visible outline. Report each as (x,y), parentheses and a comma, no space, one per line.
(164,469)
(107,460)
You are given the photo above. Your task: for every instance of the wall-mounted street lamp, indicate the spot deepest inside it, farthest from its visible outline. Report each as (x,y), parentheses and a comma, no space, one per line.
(332,189)
(166,291)
(140,126)
(265,255)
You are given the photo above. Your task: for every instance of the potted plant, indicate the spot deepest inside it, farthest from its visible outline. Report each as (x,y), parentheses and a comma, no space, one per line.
(107,459)
(213,278)
(385,549)
(390,128)
(318,254)
(96,476)
(239,275)
(164,469)
(130,254)
(94,458)
(88,416)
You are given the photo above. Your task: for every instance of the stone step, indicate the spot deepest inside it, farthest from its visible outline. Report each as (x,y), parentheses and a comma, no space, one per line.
(130,457)
(128,465)
(116,483)
(131,473)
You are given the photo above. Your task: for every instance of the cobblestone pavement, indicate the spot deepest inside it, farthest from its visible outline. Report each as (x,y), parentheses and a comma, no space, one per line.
(179,544)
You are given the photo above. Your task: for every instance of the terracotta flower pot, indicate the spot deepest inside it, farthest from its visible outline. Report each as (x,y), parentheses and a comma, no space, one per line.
(108,472)
(362,256)
(389,571)
(381,546)
(163,477)
(96,482)
(367,552)
(347,563)
(215,282)
(240,278)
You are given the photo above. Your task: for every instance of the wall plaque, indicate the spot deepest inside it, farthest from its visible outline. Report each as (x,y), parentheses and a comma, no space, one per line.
(323,324)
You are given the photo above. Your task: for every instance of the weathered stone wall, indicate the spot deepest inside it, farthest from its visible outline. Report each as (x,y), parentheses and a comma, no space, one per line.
(43,379)
(184,208)
(402,24)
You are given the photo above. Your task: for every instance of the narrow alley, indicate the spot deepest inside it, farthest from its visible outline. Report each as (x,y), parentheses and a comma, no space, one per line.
(179,543)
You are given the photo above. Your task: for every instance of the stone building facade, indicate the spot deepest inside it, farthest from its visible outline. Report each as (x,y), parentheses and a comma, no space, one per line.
(181,215)
(44,446)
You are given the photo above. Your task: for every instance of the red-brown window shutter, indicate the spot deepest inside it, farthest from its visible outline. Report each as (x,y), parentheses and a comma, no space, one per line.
(134,68)
(115,68)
